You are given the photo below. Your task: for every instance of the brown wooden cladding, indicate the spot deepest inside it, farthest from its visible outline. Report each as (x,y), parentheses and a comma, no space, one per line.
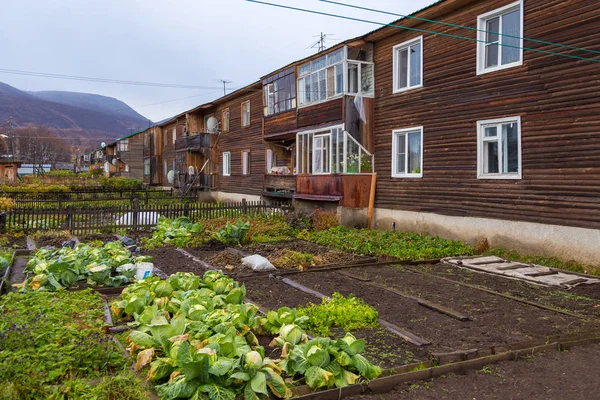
(556,98)
(134,158)
(240,139)
(283,122)
(329,111)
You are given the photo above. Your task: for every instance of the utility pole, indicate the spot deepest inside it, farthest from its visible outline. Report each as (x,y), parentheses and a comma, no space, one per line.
(322,42)
(224,82)
(10,139)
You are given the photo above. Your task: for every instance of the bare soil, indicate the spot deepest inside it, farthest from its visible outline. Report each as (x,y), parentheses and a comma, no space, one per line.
(170,261)
(552,375)
(90,237)
(50,240)
(15,242)
(584,299)
(495,320)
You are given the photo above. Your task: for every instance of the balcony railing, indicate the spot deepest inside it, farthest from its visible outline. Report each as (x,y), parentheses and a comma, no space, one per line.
(194,142)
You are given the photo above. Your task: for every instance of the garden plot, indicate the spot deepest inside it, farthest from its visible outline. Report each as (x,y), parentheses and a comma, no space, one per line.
(13,241)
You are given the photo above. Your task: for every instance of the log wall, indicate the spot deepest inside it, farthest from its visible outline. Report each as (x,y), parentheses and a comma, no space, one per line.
(557,99)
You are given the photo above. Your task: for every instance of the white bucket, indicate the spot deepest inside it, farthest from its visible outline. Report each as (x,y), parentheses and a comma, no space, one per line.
(143,270)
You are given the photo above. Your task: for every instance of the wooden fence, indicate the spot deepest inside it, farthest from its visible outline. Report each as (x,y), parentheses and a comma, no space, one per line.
(132,217)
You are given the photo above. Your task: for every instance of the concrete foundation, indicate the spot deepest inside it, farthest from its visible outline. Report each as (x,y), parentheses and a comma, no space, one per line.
(565,242)
(353,217)
(225,196)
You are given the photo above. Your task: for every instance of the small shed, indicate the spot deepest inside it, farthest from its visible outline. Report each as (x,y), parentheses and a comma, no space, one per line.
(9,170)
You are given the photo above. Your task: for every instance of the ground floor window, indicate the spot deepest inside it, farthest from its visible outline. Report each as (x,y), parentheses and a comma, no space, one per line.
(499,148)
(146,167)
(270,160)
(226,163)
(407,153)
(245,163)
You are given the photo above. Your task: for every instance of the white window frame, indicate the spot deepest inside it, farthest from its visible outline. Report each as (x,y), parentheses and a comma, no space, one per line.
(174,135)
(396,134)
(344,90)
(227,163)
(481,125)
(123,145)
(245,163)
(225,120)
(481,38)
(246,112)
(270,160)
(396,49)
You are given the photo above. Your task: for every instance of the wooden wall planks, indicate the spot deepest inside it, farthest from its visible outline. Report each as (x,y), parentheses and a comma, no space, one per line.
(556,98)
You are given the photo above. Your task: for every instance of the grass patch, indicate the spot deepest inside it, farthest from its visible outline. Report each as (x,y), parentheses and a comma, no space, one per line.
(51,342)
(406,246)
(551,262)
(348,313)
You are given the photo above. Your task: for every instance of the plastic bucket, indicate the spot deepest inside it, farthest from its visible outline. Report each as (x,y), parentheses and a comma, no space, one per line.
(143,270)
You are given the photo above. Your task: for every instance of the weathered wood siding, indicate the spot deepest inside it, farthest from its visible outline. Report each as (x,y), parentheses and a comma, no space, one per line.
(329,111)
(283,122)
(240,139)
(134,158)
(557,99)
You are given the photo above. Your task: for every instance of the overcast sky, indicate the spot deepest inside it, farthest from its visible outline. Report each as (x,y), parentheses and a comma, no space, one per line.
(189,42)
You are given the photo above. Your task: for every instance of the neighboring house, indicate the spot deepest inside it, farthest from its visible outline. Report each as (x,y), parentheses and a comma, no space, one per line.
(129,154)
(484,139)
(318,123)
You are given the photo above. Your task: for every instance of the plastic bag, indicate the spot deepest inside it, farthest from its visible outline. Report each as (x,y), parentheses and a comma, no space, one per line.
(258,263)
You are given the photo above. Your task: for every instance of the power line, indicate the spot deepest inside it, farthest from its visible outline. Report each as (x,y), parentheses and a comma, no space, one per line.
(105,80)
(420,30)
(179,99)
(461,26)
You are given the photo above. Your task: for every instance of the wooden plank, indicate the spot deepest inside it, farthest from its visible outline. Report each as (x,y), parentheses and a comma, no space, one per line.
(405,334)
(542,273)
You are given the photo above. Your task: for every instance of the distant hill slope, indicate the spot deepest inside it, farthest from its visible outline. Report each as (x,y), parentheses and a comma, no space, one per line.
(94,102)
(81,117)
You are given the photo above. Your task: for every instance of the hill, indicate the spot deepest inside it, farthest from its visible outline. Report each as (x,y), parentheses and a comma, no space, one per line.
(81,118)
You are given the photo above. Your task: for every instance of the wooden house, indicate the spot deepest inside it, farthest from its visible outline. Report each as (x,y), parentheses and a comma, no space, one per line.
(484,132)
(9,170)
(318,122)
(129,155)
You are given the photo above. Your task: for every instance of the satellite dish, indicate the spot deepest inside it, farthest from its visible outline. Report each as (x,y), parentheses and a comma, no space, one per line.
(115,162)
(103,145)
(212,125)
(171,176)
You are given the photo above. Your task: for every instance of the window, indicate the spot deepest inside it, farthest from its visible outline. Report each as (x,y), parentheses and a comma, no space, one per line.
(226,164)
(280,92)
(331,151)
(270,160)
(324,77)
(146,167)
(407,153)
(246,114)
(408,65)
(165,168)
(225,120)
(245,163)
(174,135)
(499,148)
(500,39)
(124,145)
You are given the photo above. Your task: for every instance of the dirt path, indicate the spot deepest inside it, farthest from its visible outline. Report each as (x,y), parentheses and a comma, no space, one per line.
(550,376)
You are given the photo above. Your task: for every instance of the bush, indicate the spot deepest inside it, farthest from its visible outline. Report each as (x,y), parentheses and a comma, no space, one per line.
(323,220)
(300,219)
(61,173)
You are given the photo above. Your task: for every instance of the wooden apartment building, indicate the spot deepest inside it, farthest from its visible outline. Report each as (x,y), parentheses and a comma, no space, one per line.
(481,119)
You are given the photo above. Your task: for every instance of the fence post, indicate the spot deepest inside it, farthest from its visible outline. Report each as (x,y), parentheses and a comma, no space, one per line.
(244,207)
(136,207)
(70,218)
(186,209)
(146,197)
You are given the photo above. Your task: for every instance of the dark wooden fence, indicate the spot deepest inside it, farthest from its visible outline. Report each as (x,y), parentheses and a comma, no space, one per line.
(132,217)
(95,198)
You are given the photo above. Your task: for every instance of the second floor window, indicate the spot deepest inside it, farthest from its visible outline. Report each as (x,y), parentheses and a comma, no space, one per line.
(225,120)
(124,145)
(246,114)
(408,65)
(500,44)
(280,92)
(146,167)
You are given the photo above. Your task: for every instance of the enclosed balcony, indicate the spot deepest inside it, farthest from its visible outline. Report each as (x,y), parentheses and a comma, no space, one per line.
(198,142)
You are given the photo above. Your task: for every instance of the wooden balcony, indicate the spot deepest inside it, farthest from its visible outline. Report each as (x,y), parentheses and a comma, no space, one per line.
(198,142)
(282,186)
(351,190)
